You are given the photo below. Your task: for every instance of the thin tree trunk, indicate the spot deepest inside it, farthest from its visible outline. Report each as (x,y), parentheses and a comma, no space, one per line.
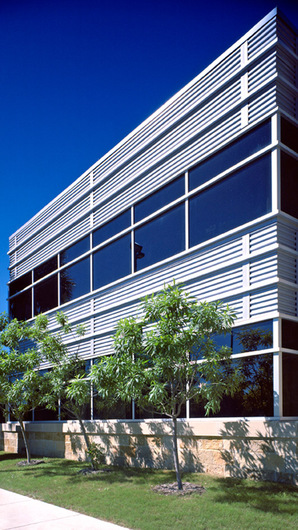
(25,440)
(86,437)
(175,454)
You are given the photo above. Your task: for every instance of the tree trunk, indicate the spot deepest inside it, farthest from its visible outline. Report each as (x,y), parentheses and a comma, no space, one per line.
(25,440)
(86,437)
(175,454)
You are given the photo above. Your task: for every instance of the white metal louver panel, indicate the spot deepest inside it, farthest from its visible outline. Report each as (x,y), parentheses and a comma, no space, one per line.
(288,235)
(261,38)
(108,320)
(287,67)
(262,104)
(103,345)
(287,100)
(62,241)
(287,301)
(263,301)
(262,237)
(263,269)
(217,286)
(83,348)
(261,71)
(235,304)
(287,267)
(286,35)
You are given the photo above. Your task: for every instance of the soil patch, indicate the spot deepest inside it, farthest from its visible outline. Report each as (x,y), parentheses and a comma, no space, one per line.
(31,463)
(172,489)
(90,471)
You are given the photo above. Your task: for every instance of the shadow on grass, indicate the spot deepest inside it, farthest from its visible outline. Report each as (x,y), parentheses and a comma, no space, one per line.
(9,456)
(270,497)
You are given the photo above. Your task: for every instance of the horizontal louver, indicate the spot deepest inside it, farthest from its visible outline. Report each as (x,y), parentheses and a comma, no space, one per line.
(261,38)
(287,301)
(263,269)
(265,236)
(263,302)
(287,267)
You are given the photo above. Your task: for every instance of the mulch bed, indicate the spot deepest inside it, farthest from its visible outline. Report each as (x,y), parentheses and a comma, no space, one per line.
(172,489)
(31,463)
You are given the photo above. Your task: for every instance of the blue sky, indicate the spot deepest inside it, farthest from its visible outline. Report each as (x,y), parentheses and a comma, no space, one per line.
(76,76)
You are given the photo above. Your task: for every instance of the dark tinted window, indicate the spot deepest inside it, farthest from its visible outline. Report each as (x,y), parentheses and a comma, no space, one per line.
(160,238)
(290,334)
(290,387)
(254,396)
(111,228)
(112,262)
(119,410)
(233,201)
(159,198)
(45,268)
(75,250)
(20,307)
(75,280)
(242,148)
(289,134)
(20,283)
(46,295)
(252,337)
(289,184)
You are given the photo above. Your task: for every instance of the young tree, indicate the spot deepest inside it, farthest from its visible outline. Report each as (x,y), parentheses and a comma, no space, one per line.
(155,361)
(21,384)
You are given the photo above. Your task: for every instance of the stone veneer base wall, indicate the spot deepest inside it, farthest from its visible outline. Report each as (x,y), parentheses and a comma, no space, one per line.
(239,448)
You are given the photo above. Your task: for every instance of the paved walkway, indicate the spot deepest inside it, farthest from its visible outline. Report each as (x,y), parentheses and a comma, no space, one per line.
(17,511)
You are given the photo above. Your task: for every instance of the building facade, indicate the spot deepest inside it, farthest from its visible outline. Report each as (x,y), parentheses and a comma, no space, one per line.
(205,192)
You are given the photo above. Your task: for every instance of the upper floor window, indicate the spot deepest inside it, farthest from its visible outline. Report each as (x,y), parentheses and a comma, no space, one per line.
(20,283)
(159,198)
(289,134)
(75,250)
(111,228)
(45,268)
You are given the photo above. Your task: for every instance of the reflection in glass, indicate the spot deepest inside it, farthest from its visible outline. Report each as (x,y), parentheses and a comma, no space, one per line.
(75,280)
(254,396)
(45,268)
(112,262)
(20,307)
(252,337)
(20,283)
(162,237)
(289,184)
(111,228)
(74,251)
(119,410)
(238,150)
(159,198)
(290,387)
(46,295)
(233,201)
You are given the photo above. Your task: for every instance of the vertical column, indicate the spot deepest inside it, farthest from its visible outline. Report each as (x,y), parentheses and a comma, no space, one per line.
(275,163)
(277,370)
(246,276)
(244,84)
(186,213)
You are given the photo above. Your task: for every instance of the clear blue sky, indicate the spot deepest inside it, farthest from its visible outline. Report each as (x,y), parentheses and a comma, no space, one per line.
(78,75)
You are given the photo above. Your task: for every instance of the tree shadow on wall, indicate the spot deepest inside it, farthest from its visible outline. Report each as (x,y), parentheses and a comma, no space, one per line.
(268,455)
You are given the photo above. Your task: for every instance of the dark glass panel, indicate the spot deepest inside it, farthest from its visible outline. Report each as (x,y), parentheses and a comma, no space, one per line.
(220,341)
(233,201)
(161,238)
(238,150)
(75,280)
(150,413)
(75,250)
(289,184)
(20,307)
(111,228)
(289,134)
(290,334)
(112,262)
(46,295)
(45,268)
(20,283)
(159,198)
(254,396)
(120,410)
(252,337)
(43,414)
(290,386)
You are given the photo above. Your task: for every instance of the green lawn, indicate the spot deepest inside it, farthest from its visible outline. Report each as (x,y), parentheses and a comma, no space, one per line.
(124,496)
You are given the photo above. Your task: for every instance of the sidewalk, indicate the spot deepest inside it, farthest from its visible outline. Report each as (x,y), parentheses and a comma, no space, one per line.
(18,511)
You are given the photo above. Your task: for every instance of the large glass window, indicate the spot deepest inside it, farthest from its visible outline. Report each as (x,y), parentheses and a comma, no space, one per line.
(112,262)
(290,334)
(233,201)
(289,184)
(238,150)
(159,198)
(289,134)
(46,295)
(75,280)
(20,306)
(254,396)
(111,228)
(252,337)
(290,387)
(45,268)
(160,238)
(75,250)
(20,283)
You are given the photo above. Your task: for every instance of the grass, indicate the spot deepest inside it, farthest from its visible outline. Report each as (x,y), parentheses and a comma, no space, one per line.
(124,496)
